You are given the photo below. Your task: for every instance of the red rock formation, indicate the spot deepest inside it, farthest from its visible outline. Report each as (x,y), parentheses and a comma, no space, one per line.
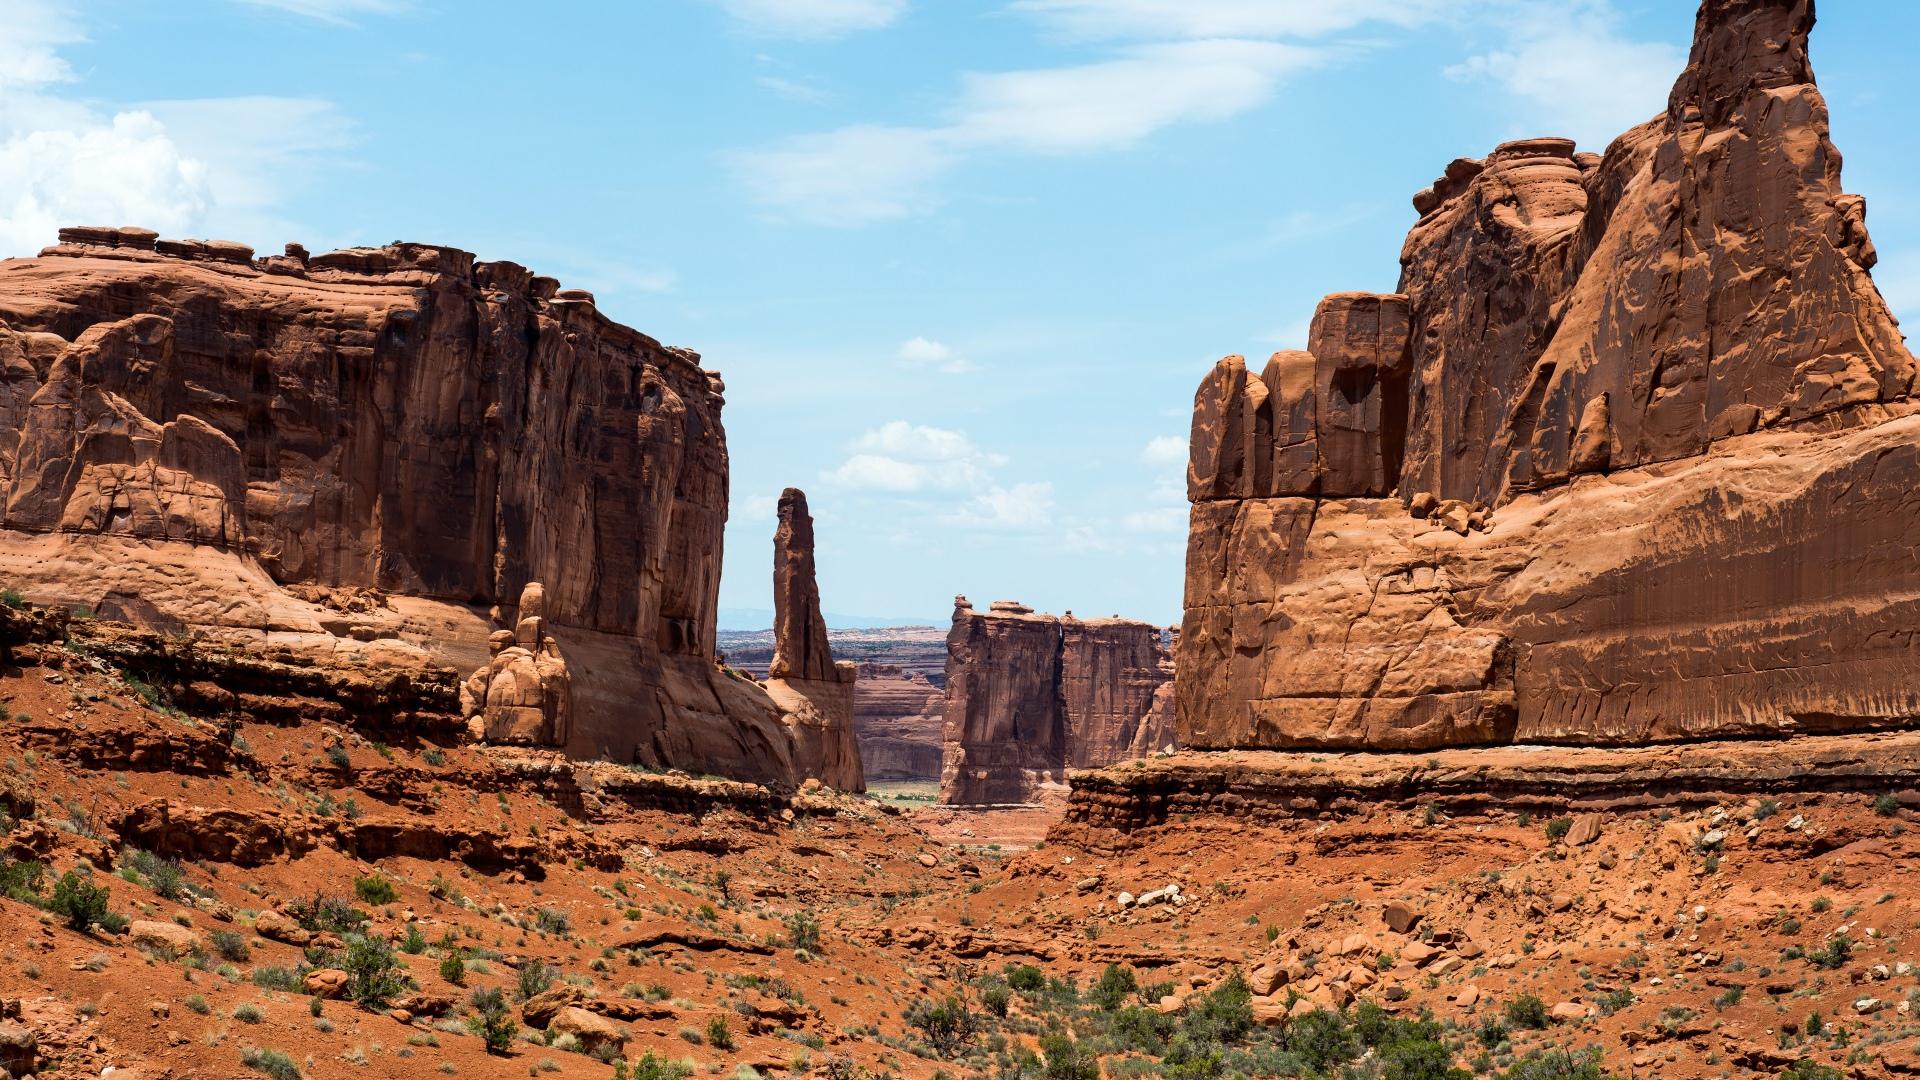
(815,694)
(191,439)
(1652,422)
(898,715)
(1030,696)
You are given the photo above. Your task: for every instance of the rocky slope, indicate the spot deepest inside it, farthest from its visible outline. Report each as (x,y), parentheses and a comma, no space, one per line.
(1628,458)
(374,453)
(1031,695)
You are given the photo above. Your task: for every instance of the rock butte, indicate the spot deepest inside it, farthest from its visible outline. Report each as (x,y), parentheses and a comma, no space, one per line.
(1032,695)
(1629,457)
(403,457)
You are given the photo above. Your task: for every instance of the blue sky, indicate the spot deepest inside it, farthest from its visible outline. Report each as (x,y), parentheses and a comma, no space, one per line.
(962,264)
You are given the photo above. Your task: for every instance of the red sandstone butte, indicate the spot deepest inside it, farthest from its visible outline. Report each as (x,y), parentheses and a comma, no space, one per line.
(382,453)
(1629,456)
(1030,696)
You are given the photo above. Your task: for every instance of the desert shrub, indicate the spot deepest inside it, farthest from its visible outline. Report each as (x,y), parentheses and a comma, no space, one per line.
(1026,978)
(1811,1070)
(996,998)
(277,978)
(415,942)
(338,756)
(374,889)
(22,881)
(803,932)
(230,945)
(1527,1011)
(373,971)
(327,914)
(1066,1060)
(1559,1064)
(1115,986)
(79,901)
(719,1035)
(453,968)
(651,1067)
(1886,805)
(248,1014)
(491,1021)
(551,921)
(1559,827)
(164,876)
(272,1062)
(947,1026)
(535,978)
(1833,954)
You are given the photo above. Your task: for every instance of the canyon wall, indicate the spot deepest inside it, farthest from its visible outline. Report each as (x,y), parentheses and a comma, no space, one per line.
(374,453)
(1030,696)
(1629,457)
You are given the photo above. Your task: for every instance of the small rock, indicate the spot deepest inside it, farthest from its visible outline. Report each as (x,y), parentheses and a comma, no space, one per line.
(169,938)
(927,860)
(1087,884)
(1586,829)
(1568,1011)
(1866,1005)
(325,982)
(1400,918)
(594,1032)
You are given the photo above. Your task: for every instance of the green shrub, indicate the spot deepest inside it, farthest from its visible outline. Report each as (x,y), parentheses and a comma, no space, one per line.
(1559,827)
(1886,805)
(491,1021)
(803,932)
(373,971)
(1807,1069)
(996,999)
(277,978)
(1527,1011)
(230,945)
(947,1026)
(1066,1060)
(374,889)
(1833,954)
(535,978)
(338,756)
(164,876)
(327,915)
(650,1067)
(272,1062)
(551,921)
(415,942)
(1116,985)
(454,968)
(1559,1064)
(1026,978)
(22,880)
(79,901)
(248,1014)
(719,1035)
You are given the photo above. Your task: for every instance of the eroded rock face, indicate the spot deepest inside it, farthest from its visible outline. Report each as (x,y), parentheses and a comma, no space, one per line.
(813,692)
(1628,456)
(198,441)
(524,696)
(1031,695)
(898,715)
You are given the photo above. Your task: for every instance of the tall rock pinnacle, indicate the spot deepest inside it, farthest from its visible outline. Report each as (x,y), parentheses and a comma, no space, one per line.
(800,649)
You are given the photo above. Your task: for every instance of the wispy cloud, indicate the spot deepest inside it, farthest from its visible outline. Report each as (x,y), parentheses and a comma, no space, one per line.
(865,173)
(337,12)
(813,19)
(900,457)
(919,352)
(1164,450)
(1574,71)
(794,90)
(1023,507)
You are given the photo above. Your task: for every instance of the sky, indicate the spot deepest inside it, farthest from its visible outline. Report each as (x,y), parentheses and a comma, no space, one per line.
(962,264)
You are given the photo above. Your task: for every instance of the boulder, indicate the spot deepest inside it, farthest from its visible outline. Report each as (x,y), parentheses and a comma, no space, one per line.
(165,937)
(1586,829)
(541,1008)
(594,1032)
(326,982)
(1400,918)
(19,1049)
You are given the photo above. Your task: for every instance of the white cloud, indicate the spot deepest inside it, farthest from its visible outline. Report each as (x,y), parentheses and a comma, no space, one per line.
(1165,450)
(1223,18)
(814,19)
(339,12)
(793,90)
(175,166)
(919,352)
(1575,72)
(1024,507)
(849,176)
(900,457)
(865,173)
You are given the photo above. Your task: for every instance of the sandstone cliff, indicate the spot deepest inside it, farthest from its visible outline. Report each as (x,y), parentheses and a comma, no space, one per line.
(898,715)
(374,452)
(1628,457)
(1030,696)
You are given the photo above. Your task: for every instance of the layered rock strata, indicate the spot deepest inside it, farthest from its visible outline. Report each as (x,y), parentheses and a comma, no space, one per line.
(813,691)
(1628,456)
(898,715)
(1032,695)
(372,453)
